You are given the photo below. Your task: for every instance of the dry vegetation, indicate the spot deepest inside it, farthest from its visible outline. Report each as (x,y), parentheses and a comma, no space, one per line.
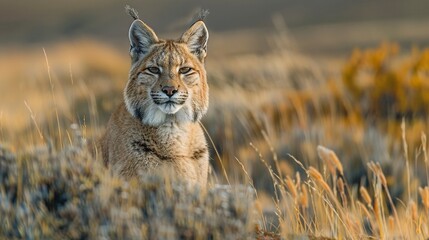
(269,117)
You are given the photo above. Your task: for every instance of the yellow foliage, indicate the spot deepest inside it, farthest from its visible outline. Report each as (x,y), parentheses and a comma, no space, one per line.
(386,83)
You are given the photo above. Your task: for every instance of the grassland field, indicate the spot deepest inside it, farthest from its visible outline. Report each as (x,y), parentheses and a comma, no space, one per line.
(309,147)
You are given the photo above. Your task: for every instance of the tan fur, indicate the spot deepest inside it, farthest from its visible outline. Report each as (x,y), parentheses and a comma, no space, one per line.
(152,131)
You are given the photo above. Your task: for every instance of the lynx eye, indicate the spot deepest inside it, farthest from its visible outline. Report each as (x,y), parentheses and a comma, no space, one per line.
(142,78)
(184,70)
(154,70)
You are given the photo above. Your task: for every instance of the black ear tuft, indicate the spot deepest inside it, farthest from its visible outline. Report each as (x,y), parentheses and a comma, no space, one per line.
(141,39)
(200,15)
(196,37)
(132,12)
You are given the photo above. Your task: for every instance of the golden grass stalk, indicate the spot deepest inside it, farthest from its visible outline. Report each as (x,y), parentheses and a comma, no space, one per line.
(378,172)
(386,190)
(33,118)
(248,177)
(407,164)
(412,208)
(425,154)
(274,154)
(298,179)
(341,187)
(331,159)
(217,153)
(291,187)
(54,99)
(284,169)
(352,223)
(379,218)
(317,177)
(315,174)
(365,195)
(376,168)
(275,178)
(303,197)
(424,194)
(364,209)
(382,177)
(391,223)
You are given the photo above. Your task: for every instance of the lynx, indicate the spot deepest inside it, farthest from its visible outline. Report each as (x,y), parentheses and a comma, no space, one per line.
(156,128)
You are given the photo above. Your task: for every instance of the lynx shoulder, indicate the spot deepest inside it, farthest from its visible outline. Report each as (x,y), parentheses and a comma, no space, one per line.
(156,127)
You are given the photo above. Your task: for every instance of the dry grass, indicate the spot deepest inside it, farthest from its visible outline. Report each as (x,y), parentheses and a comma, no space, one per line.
(54,195)
(323,153)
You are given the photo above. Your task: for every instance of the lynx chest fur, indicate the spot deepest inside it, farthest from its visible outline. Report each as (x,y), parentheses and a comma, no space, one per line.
(156,128)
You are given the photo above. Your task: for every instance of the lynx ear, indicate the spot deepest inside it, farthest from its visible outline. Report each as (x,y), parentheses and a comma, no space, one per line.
(196,38)
(141,38)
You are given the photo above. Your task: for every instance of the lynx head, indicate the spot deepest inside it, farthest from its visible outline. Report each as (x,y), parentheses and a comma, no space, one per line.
(167,80)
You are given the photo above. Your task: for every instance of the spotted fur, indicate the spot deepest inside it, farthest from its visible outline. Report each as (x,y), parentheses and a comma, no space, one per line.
(156,128)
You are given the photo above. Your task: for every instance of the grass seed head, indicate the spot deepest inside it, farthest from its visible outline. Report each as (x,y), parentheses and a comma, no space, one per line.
(412,208)
(318,178)
(303,197)
(340,185)
(365,195)
(364,209)
(331,159)
(378,218)
(381,175)
(298,179)
(315,174)
(291,187)
(424,194)
(391,223)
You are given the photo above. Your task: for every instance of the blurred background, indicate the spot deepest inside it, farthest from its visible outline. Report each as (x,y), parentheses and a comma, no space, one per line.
(331,27)
(285,75)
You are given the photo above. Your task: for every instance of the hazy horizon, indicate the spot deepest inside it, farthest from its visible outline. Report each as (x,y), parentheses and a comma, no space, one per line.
(321,27)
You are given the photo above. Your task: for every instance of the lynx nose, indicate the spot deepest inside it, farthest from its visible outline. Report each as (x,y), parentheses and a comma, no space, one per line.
(169,90)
